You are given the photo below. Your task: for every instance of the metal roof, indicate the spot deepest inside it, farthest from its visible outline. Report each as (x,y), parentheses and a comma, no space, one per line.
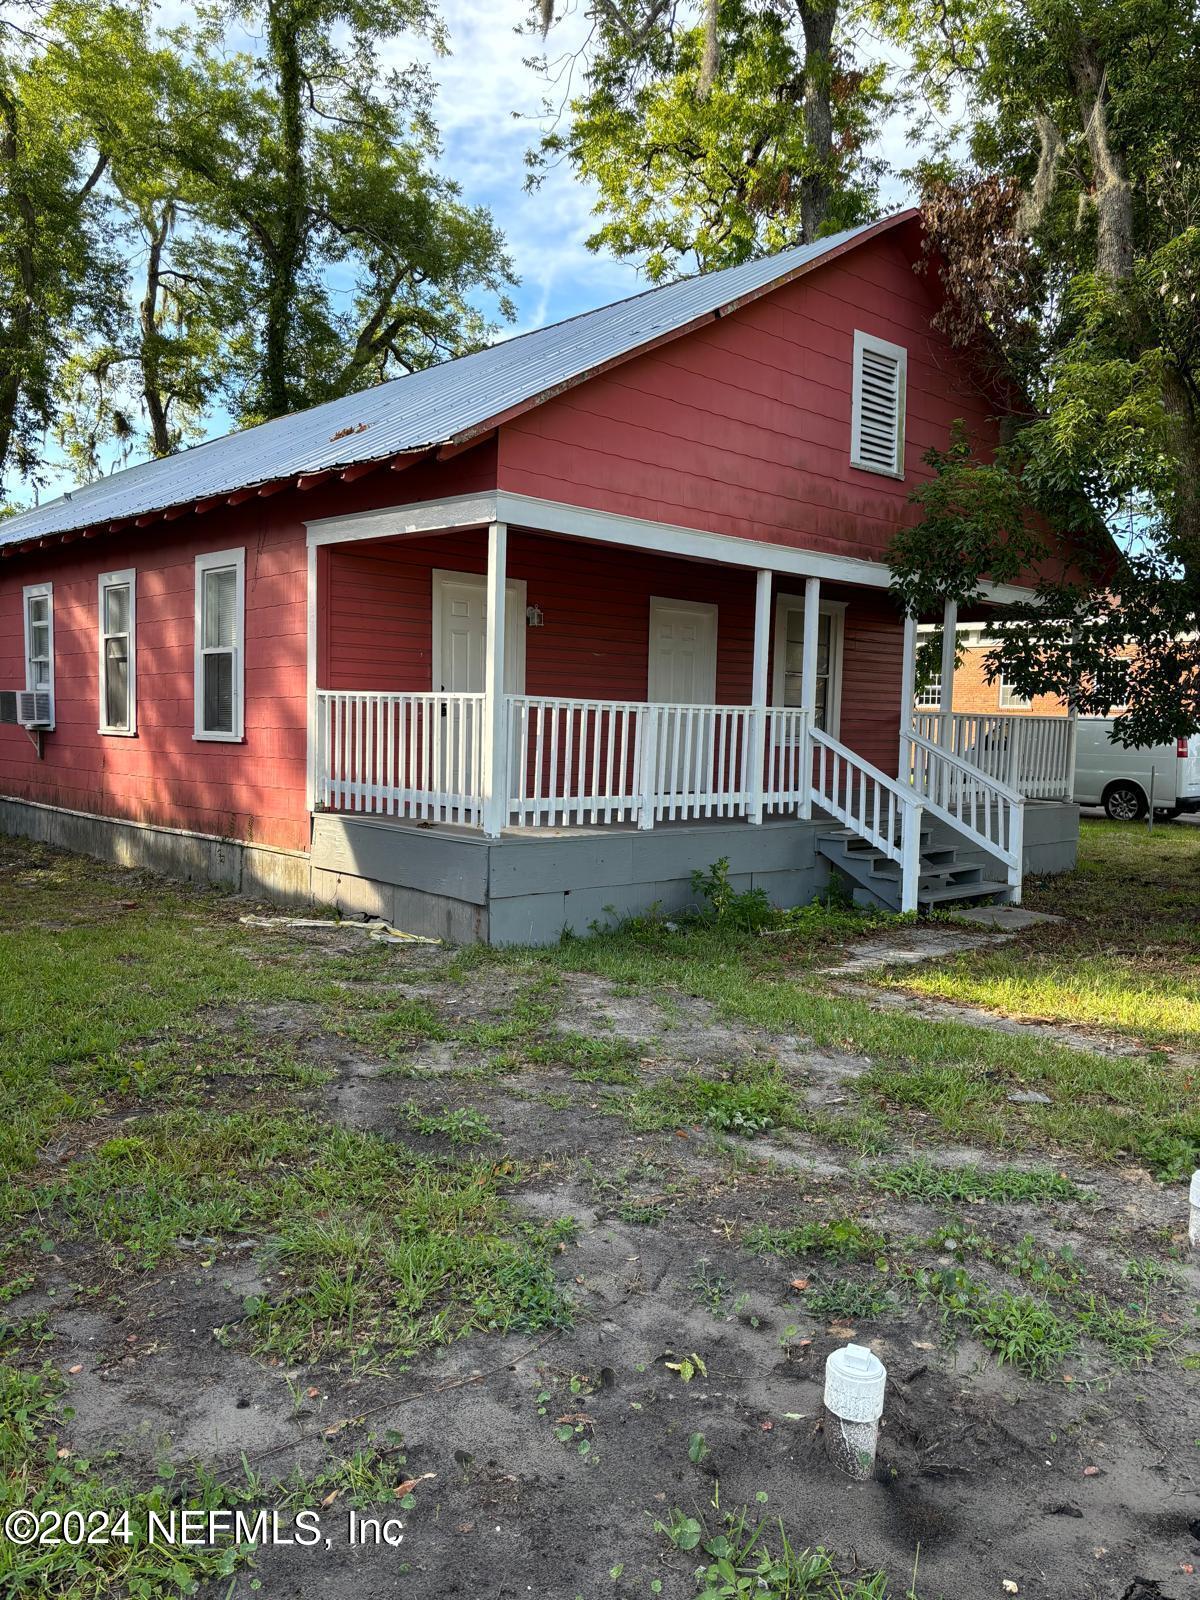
(423,409)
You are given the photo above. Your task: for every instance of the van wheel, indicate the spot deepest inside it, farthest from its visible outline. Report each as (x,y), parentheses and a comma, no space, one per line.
(1124,802)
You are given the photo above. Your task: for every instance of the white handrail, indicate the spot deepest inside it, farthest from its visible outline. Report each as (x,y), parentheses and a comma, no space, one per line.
(990,812)
(406,755)
(882,811)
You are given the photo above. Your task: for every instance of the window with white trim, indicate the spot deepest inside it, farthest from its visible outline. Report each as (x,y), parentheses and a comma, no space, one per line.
(930,697)
(39,640)
(877,405)
(117,606)
(789,658)
(220,644)
(1010,700)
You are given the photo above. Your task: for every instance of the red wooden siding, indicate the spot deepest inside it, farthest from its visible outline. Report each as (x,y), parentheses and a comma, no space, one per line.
(254,790)
(743,427)
(250,790)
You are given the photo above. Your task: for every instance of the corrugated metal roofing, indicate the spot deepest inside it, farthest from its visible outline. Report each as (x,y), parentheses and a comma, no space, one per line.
(423,409)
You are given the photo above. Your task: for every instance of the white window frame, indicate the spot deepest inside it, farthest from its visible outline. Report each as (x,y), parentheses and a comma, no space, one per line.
(36,591)
(209,562)
(835,610)
(1008,699)
(127,577)
(921,698)
(883,347)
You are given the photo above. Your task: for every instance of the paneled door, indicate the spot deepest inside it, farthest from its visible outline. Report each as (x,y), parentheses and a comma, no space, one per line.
(683,672)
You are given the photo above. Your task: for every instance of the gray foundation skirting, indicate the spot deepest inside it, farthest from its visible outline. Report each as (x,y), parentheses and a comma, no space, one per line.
(522,889)
(251,869)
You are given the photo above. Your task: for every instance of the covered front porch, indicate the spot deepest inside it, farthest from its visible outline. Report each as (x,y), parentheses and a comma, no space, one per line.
(712,691)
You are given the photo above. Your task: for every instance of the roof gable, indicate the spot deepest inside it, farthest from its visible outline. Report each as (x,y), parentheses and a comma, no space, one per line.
(440,405)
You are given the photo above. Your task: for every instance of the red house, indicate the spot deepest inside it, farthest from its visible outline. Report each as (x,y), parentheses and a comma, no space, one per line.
(518,642)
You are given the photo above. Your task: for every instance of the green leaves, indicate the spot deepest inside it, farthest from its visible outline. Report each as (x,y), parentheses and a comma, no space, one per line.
(772,152)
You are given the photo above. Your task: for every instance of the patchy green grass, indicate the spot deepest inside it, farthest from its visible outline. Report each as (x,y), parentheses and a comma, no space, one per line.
(380,1253)
(843,1239)
(750,1099)
(957,1076)
(1126,959)
(1019,1329)
(922,1179)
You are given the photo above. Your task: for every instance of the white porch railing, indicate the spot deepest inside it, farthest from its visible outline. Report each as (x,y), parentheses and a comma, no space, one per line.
(569,762)
(885,813)
(401,755)
(969,799)
(1032,755)
(572,762)
(577,762)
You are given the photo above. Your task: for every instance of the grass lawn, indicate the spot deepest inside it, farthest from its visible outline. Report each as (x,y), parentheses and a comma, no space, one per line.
(542,1252)
(1125,960)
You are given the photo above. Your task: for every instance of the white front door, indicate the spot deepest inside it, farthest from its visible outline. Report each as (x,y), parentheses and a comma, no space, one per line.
(683,653)
(460,631)
(683,672)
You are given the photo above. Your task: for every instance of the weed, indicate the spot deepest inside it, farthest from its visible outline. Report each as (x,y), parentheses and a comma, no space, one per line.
(1019,1330)
(843,1239)
(1129,1333)
(843,1300)
(752,1099)
(760,1559)
(746,910)
(463,1125)
(710,1288)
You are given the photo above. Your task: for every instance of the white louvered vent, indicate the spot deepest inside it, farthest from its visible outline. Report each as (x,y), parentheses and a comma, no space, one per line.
(877,427)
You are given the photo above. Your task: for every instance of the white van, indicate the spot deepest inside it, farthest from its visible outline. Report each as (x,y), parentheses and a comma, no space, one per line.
(1118,779)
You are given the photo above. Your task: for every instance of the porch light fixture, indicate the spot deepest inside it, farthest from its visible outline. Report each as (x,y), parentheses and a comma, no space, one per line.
(533,617)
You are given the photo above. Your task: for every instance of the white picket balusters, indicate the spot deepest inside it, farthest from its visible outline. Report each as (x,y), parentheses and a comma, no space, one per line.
(400,755)
(1029,754)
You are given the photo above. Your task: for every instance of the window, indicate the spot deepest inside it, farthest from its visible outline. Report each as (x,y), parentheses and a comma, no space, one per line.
(39,640)
(1010,700)
(118,652)
(930,697)
(877,406)
(220,632)
(789,658)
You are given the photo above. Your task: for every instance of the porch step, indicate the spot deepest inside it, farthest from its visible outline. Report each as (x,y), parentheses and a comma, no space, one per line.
(944,876)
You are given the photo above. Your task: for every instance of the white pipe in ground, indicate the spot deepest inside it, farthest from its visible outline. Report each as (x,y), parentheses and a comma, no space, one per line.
(1194,1218)
(855,1379)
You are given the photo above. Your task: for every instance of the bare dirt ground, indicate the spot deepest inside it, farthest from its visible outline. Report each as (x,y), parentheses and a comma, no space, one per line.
(543,1461)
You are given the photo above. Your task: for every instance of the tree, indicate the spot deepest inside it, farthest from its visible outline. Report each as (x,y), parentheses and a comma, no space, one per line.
(59,273)
(358,258)
(715,136)
(1069,247)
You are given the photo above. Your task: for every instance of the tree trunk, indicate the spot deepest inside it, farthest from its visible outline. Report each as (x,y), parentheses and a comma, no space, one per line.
(818,18)
(1112,193)
(285,263)
(157,228)
(17,337)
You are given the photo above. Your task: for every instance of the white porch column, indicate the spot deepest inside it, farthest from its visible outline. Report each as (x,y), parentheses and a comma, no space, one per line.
(949,641)
(759,695)
(908,692)
(495,718)
(808,682)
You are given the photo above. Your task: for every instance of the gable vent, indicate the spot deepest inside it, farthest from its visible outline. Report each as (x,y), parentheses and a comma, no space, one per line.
(877,426)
